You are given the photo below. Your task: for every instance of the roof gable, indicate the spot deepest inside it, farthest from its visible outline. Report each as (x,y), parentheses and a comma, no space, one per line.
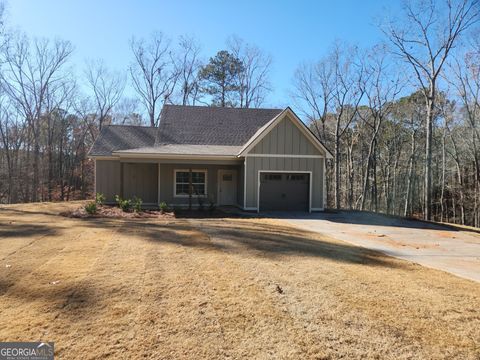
(285,138)
(295,144)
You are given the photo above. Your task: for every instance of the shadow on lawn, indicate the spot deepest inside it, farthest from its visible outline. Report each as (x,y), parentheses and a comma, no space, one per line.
(72,299)
(5,210)
(256,238)
(357,217)
(9,229)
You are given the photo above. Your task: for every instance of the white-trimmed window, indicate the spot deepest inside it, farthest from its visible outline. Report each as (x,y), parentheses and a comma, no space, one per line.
(182,183)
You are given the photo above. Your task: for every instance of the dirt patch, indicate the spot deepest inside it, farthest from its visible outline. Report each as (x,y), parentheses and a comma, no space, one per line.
(220,288)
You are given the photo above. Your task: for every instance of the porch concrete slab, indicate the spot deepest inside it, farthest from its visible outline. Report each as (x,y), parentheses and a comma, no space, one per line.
(441,247)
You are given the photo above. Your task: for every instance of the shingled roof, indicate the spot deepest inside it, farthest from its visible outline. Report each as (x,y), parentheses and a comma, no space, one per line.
(186,125)
(123,137)
(201,125)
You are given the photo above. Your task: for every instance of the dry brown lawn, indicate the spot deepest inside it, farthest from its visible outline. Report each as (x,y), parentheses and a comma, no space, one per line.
(220,288)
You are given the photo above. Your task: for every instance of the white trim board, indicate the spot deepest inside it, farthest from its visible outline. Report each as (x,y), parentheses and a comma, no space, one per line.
(286,156)
(310,181)
(103,157)
(159,187)
(95,177)
(324,181)
(138,155)
(188,170)
(244,182)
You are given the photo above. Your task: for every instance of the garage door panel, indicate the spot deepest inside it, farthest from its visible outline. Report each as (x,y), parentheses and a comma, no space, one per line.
(284,191)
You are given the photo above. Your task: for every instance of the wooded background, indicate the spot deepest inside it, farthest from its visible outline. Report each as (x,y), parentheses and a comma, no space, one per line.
(401,118)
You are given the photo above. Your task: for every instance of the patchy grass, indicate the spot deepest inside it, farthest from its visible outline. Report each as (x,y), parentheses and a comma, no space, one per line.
(220,288)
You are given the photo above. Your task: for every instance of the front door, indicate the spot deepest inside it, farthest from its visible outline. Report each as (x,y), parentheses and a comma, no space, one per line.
(227,187)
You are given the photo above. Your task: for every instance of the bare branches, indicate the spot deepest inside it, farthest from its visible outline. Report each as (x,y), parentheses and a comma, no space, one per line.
(188,65)
(424,40)
(253,82)
(313,85)
(107,88)
(153,73)
(32,78)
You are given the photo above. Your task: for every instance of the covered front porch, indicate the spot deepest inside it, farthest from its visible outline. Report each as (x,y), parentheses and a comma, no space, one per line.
(219,182)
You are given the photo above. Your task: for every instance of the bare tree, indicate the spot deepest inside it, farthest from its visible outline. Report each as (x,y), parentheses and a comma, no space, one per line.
(153,73)
(32,72)
(253,80)
(424,40)
(329,93)
(188,64)
(107,87)
(126,112)
(380,88)
(346,96)
(466,82)
(12,136)
(313,84)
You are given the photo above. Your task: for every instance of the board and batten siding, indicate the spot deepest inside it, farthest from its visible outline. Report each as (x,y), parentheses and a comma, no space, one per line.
(137,179)
(141,180)
(285,139)
(107,178)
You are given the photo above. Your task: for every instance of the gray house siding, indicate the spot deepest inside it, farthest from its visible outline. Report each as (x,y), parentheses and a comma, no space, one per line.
(107,178)
(256,164)
(240,185)
(167,181)
(285,138)
(141,180)
(127,180)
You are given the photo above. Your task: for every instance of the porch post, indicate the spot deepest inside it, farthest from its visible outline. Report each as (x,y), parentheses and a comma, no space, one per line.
(158,191)
(121,179)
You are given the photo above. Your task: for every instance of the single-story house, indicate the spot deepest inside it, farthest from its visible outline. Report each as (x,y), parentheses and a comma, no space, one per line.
(256,159)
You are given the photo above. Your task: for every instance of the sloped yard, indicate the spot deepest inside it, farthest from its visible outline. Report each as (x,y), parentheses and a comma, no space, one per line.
(220,288)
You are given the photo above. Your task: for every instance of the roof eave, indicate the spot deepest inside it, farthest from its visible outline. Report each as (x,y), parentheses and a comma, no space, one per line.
(130,155)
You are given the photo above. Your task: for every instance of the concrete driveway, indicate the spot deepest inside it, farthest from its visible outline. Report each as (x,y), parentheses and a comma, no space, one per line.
(436,246)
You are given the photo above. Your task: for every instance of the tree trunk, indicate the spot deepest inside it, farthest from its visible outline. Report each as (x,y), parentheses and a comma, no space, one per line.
(428,153)
(36,172)
(337,173)
(410,175)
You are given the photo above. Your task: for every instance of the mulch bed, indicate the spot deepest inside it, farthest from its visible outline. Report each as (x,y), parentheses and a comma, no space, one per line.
(115,212)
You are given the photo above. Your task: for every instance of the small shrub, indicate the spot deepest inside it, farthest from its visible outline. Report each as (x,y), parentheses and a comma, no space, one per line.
(201,203)
(91,208)
(177,210)
(163,206)
(137,204)
(100,199)
(211,205)
(124,204)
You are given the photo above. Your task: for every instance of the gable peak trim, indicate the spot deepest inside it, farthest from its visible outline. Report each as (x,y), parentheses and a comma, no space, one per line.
(265,130)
